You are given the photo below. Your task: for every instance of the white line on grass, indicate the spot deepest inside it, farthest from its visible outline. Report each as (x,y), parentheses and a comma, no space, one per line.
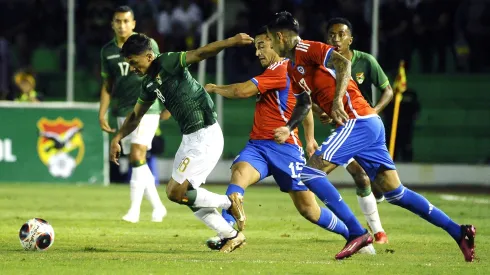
(465,199)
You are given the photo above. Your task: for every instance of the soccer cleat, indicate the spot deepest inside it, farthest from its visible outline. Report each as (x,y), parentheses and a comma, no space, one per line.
(380,199)
(233,243)
(381,238)
(215,243)
(467,242)
(369,249)
(131,217)
(236,210)
(158,214)
(354,245)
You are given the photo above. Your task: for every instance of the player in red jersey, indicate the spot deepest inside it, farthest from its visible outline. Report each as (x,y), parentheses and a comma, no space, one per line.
(324,74)
(262,156)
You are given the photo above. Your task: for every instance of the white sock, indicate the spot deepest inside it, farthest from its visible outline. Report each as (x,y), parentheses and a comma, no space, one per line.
(151,193)
(138,186)
(370,209)
(204,198)
(212,218)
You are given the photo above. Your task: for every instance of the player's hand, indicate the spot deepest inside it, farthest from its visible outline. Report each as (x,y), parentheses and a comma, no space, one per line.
(311,147)
(104,125)
(241,39)
(115,151)
(281,134)
(338,113)
(325,119)
(209,88)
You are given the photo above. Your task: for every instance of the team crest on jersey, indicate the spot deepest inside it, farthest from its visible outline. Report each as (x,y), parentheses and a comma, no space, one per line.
(60,145)
(360,77)
(301,70)
(159,95)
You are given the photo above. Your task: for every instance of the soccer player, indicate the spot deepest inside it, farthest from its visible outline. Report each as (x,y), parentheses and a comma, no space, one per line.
(262,156)
(366,72)
(167,79)
(324,77)
(124,87)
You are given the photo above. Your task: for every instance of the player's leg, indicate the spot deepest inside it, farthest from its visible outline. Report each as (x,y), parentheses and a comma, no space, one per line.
(380,168)
(142,176)
(367,201)
(196,158)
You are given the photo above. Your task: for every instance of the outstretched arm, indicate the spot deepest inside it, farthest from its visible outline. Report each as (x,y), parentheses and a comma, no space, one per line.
(237,90)
(214,48)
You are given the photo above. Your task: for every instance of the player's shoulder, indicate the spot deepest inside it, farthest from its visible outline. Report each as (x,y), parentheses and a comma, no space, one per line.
(305,45)
(109,47)
(279,66)
(365,56)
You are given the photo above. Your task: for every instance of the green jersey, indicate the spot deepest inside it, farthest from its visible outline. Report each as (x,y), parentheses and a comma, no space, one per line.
(168,80)
(366,71)
(125,85)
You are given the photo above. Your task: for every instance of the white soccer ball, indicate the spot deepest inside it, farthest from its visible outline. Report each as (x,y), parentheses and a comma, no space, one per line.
(36,234)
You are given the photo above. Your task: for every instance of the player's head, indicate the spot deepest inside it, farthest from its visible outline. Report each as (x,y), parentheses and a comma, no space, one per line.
(123,22)
(339,33)
(263,48)
(138,52)
(282,31)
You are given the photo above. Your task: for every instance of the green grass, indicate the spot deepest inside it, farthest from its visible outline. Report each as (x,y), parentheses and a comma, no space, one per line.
(91,238)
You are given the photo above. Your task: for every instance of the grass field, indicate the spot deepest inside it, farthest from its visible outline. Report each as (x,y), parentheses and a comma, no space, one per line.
(91,238)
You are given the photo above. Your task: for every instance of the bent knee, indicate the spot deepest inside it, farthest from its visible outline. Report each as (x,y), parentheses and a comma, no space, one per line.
(358,174)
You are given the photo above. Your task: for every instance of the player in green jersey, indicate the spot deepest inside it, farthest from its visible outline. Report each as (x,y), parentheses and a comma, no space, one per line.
(365,71)
(124,86)
(167,80)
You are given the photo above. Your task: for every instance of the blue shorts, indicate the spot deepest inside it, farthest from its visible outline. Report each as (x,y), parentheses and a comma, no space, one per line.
(283,161)
(361,139)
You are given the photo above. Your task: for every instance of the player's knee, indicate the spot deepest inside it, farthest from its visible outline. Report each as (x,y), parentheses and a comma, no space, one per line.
(174,194)
(359,175)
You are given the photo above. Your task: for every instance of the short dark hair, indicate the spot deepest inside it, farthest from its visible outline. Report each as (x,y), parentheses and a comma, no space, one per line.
(339,20)
(261,30)
(136,44)
(284,21)
(124,9)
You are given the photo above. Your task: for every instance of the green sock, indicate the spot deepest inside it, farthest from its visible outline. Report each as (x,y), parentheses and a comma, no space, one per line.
(189,198)
(138,163)
(363,192)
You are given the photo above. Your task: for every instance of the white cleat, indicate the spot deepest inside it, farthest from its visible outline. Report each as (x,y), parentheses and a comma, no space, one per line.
(158,215)
(369,249)
(132,218)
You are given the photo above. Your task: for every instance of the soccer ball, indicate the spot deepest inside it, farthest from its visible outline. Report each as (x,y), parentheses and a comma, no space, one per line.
(36,234)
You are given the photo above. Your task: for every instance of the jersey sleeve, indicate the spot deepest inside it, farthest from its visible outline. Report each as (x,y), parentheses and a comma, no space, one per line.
(378,76)
(104,72)
(173,62)
(154,47)
(147,93)
(273,78)
(316,53)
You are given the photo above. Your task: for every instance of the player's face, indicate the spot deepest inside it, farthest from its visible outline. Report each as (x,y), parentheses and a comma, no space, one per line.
(277,42)
(139,64)
(264,51)
(339,36)
(123,24)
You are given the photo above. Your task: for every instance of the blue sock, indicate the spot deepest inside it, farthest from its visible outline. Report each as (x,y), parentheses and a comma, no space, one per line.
(232,188)
(330,222)
(419,205)
(318,183)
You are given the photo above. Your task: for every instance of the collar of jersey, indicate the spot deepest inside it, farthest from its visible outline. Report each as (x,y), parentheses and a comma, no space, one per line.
(354,56)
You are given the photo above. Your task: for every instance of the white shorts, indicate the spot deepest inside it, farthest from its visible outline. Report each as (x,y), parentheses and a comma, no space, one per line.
(348,162)
(142,135)
(198,154)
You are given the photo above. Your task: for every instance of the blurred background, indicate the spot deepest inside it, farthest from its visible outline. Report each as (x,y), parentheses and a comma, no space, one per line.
(444,117)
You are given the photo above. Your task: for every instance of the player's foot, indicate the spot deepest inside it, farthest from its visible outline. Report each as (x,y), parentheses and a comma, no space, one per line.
(158,214)
(236,209)
(369,249)
(380,199)
(233,243)
(381,238)
(354,245)
(467,242)
(131,217)
(215,243)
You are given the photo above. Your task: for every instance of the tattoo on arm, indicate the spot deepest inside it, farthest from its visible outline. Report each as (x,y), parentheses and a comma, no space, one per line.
(301,109)
(342,67)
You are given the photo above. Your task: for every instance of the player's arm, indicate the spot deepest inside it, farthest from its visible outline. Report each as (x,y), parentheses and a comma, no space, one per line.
(300,111)
(342,68)
(380,80)
(237,90)
(105,97)
(214,48)
(309,128)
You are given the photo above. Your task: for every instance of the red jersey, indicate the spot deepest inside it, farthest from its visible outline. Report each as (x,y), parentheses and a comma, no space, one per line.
(274,104)
(310,74)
